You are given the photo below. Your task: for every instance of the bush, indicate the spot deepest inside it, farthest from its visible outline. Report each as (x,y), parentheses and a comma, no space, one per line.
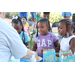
(55,16)
(10,14)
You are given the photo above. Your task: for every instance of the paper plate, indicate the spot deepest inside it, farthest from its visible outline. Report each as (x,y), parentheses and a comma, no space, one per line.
(40,58)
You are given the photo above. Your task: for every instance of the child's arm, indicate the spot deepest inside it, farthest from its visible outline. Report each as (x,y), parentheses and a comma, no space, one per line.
(38,14)
(34,46)
(27,45)
(57,47)
(73,31)
(72,45)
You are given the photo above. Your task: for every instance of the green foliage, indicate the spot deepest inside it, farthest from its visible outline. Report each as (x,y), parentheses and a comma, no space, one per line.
(55,16)
(10,14)
(14,13)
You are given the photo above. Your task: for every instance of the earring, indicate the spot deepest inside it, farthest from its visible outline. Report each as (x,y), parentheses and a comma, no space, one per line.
(67,34)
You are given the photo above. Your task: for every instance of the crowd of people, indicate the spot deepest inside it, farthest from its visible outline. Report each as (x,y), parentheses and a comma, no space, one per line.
(34,15)
(14,40)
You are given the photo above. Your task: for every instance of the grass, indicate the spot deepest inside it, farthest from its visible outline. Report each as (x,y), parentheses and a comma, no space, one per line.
(31,42)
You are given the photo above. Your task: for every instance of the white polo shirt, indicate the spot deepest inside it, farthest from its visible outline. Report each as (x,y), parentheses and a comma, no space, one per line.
(10,43)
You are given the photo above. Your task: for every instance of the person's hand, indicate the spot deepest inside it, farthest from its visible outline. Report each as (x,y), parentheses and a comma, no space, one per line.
(28,55)
(41,51)
(30,35)
(38,14)
(57,54)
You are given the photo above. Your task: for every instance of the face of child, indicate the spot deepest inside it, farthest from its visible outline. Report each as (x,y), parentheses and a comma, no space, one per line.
(23,20)
(43,28)
(18,27)
(62,28)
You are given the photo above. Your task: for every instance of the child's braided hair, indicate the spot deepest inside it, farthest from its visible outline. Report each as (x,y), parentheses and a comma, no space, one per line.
(16,21)
(45,20)
(67,22)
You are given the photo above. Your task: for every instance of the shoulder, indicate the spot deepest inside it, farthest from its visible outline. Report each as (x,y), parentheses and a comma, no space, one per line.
(35,36)
(72,39)
(52,34)
(4,24)
(25,34)
(72,44)
(38,34)
(7,29)
(55,38)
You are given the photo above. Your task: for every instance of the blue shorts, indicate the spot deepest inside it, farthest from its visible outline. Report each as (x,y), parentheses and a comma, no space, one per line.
(23,14)
(33,14)
(66,14)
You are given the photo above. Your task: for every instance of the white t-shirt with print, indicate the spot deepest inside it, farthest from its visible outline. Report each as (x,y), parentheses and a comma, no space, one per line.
(10,43)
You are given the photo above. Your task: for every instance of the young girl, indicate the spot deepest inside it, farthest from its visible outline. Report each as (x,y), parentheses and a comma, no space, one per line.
(73,20)
(17,24)
(65,30)
(46,39)
(26,25)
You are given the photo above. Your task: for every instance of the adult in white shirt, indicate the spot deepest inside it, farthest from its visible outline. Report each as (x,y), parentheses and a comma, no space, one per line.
(11,44)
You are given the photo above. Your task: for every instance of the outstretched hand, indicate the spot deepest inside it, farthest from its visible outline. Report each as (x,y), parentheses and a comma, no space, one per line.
(41,51)
(28,55)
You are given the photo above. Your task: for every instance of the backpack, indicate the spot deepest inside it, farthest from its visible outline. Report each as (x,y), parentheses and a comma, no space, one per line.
(23,38)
